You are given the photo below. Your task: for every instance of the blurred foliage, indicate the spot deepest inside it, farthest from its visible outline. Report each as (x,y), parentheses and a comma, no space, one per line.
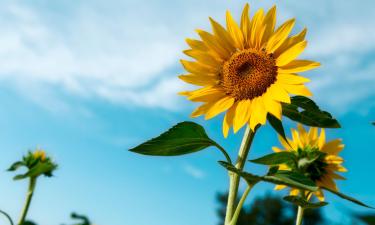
(82,220)
(29,223)
(368,218)
(269,210)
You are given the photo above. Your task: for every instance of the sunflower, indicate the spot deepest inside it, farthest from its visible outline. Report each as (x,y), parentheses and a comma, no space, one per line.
(247,70)
(317,158)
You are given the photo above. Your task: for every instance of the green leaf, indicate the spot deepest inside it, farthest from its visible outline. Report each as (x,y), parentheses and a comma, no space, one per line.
(291,179)
(277,125)
(288,178)
(305,111)
(183,138)
(15,166)
(275,158)
(297,200)
(341,195)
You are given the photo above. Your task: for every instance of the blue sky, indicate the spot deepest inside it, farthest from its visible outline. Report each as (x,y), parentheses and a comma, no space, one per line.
(86,80)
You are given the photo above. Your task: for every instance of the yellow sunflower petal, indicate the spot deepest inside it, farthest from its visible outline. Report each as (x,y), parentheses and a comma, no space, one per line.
(280,35)
(294,192)
(206,94)
(333,159)
(257,29)
(211,42)
(283,167)
(269,23)
(258,116)
(222,36)
(337,176)
(322,139)
(278,93)
(228,119)
(197,45)
(245,25)
(242,114)
(320,195)
(272,106)
(297,89)
(202,109)
(298,66)
(204,58)
(302,134)
(200,80)
(280,187)
(276,149)
(313,136)
(296,138)
(235,31)
(328,183)
(290,54)
(195,67)
(291,78)
(284,143)
(219,107)
(333,147)
(289,42)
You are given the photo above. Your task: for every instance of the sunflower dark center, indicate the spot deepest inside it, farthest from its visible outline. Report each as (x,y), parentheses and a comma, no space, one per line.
(248,74)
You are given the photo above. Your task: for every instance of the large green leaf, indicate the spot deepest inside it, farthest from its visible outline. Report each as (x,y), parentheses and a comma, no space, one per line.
(183,138)
(275,158)
(277,125)
(341,195)
(288,178)
(305,111)
(297,200)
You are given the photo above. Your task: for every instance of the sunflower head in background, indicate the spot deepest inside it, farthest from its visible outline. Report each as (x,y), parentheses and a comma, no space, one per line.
(246,69)
(316,158)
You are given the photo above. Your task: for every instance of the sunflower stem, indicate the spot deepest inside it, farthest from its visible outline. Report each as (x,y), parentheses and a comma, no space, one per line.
(234,179)
(299,215)
(30,192)
(240,204)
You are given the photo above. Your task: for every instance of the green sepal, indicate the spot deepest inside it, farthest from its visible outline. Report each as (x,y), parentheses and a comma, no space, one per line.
(299,201)
(306,111)
(275,158)
(15,166)
(346,197)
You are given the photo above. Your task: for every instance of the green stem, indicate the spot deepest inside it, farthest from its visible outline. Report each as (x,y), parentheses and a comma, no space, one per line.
(299,216)
(240,205)
(234,179)
(30,192)
(7,216)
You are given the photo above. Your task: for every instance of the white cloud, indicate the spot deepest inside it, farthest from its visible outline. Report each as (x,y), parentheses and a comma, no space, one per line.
(194,171)
(92,59)
(127,52)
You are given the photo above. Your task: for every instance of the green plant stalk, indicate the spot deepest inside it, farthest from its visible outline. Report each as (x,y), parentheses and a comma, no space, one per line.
(30,192)
(234,179)
(7,216)
(240,205)
(299,216)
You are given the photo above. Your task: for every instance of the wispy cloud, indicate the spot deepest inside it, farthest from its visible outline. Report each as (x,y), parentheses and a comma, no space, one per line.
(193,171)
